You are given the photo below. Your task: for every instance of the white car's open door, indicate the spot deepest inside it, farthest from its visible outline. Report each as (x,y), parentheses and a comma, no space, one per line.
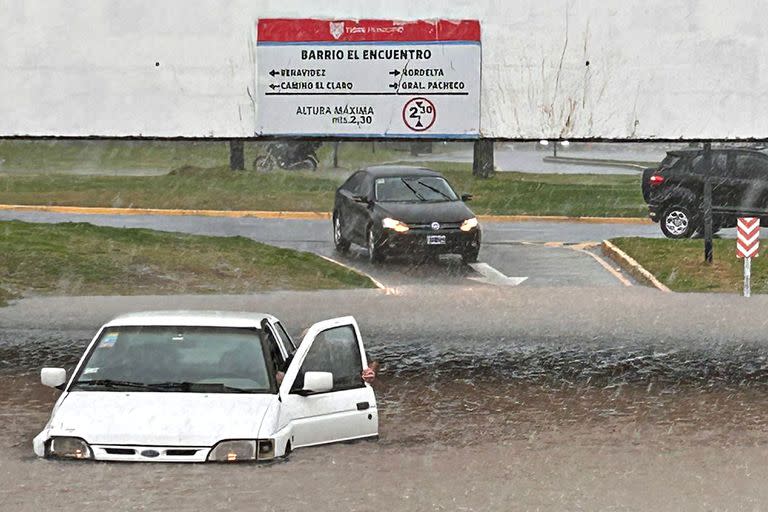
(342,411)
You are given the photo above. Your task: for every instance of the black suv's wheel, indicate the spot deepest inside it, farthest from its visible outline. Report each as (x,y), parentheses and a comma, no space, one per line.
(678,222)
(470,256)
(341,243)
(374,253)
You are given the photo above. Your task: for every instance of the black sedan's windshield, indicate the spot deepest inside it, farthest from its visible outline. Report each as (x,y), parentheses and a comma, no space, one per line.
(183,359)
(414,188)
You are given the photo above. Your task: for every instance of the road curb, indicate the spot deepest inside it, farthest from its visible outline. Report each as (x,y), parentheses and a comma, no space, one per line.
(372,279)
(630,265)
(95,210)
(594,161)
(263,214)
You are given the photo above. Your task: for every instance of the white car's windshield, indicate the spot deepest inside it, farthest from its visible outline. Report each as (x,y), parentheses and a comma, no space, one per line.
(414,188)
(183,359)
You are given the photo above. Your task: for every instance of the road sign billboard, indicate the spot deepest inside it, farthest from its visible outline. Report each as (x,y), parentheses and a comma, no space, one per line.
(368,78)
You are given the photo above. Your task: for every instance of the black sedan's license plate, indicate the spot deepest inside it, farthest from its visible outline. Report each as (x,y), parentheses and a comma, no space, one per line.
(435,239)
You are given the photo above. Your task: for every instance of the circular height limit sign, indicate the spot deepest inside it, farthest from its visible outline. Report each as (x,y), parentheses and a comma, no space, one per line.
(419,114)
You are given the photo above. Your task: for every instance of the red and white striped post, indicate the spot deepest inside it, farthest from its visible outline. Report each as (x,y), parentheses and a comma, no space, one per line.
(747,245)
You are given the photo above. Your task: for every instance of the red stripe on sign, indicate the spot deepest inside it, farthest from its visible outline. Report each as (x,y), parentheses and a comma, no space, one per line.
(747,246)
(748,222)
(747,254)
(285,30)
(749,232)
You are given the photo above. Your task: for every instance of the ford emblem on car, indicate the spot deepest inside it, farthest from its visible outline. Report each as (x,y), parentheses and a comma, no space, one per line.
(150,453)
(435,226)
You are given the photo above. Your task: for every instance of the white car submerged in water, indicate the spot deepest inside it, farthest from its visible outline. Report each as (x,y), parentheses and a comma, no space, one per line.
(209,386)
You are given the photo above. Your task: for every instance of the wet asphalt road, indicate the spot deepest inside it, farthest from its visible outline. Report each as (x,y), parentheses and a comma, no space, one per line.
(528,156)
(515,249)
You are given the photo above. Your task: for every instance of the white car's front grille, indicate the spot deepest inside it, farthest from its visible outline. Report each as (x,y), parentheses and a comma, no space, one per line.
(150,453)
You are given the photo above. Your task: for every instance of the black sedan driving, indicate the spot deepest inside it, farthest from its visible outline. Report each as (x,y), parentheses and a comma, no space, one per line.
(399,210)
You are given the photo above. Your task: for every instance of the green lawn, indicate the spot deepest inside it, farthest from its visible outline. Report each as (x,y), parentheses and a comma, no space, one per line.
(679,264)
(576,195)
(42,156)
(221,189)
(83,259)
(112,157)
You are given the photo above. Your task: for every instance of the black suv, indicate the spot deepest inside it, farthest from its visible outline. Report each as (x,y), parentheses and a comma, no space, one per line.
(674,190)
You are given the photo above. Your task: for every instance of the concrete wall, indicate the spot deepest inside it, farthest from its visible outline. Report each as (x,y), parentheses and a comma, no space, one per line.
(657,68)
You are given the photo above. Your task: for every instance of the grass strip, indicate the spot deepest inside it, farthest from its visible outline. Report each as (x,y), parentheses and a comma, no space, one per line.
(83,259)
(680,265)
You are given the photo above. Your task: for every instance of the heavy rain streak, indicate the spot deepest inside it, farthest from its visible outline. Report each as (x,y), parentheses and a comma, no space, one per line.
(547,333)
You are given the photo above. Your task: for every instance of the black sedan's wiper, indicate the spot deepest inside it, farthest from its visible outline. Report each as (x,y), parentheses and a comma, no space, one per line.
(421,198)
(433,189)
(110,383)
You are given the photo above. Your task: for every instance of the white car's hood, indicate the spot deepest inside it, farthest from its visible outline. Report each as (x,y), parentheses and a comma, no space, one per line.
(159,419)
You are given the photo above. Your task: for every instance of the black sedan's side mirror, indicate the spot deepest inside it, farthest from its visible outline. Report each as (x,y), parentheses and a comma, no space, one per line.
(360,199)
(466,197)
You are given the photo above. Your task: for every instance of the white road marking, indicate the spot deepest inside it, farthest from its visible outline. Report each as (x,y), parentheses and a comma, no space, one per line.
(615,273)
(493,276)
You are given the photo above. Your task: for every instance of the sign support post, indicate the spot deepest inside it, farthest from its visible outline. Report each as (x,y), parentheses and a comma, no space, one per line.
(747,276)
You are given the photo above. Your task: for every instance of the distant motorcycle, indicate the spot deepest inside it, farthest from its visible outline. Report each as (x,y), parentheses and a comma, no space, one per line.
(292,156)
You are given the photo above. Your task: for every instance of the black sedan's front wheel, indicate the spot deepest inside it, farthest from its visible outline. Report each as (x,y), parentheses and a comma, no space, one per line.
(678,222)
(470,256)
(340,243)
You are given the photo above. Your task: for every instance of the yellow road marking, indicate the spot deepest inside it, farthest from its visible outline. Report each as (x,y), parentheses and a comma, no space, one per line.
(94,210)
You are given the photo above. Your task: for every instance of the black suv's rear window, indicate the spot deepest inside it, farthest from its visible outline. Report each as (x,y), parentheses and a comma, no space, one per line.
(670,160)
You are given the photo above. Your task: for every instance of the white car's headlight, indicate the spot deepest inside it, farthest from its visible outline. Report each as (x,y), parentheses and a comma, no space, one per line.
(242,450)
(69,448)
(398,226)
(469,224)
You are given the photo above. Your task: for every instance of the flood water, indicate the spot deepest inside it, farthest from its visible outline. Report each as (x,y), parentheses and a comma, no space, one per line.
(485,392)
(516,420)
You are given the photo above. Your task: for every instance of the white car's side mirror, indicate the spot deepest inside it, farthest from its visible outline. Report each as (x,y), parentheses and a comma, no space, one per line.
(317,382)
(53,377)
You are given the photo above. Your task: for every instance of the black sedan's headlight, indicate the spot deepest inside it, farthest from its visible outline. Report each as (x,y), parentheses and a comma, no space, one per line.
(68,448)
(469,224)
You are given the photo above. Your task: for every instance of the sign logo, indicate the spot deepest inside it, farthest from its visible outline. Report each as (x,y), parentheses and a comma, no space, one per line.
(435,226)
(748,237)
(419,114)
(337,29)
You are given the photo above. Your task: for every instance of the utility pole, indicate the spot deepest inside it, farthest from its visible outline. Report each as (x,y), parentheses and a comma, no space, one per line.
(482,158)
(336,154)
(707,204)
(236,155)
